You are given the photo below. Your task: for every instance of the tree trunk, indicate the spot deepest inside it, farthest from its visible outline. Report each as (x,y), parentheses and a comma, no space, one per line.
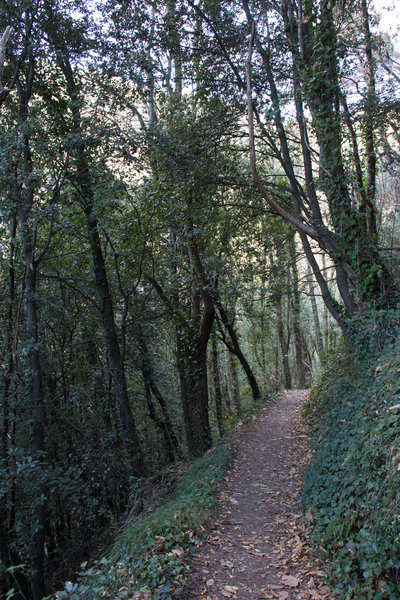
(317,325)
(226,398)
(172,444)
(368,208)
(9,372)
(297,332)
(38,536)
(117,369)
(84,184)
(192,367)
(234,380)
(24,207)
(8,554)
(234,347)
(191,341)
(284,343)
(217,386)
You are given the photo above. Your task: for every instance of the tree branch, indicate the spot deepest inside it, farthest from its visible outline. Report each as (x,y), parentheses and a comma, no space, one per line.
(297,223)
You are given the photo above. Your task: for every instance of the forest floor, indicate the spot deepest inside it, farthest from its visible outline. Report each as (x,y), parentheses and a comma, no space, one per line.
(257,547)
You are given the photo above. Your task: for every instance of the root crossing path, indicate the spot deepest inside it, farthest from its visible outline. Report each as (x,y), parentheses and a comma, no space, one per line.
(257,548)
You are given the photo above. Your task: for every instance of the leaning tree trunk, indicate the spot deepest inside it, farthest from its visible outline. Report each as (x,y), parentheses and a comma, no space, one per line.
(117,368)
(234,347)
(172,444)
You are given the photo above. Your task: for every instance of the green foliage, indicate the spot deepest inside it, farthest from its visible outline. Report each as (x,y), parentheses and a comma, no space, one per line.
(352,487)
(151,551)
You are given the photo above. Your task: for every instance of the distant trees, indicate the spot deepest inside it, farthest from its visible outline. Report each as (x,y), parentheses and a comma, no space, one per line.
(144,269)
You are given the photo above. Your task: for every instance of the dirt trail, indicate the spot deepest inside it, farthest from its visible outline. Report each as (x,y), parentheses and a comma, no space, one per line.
(257,547)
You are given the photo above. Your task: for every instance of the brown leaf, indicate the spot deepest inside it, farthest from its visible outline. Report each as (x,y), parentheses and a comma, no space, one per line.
(309,516)
(231,588)
(290,581)
(315,595)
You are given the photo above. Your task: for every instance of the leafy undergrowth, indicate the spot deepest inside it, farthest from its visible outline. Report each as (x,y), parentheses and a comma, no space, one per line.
(149,558)
(352,487)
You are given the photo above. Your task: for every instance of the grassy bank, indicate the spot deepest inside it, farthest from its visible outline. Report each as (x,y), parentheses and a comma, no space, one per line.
(148,560)
(352,487)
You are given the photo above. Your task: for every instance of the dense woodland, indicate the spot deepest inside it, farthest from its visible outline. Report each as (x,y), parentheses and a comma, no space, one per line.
(198,199)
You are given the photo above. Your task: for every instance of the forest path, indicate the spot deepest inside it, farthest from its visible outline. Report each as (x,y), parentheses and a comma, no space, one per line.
(257,547)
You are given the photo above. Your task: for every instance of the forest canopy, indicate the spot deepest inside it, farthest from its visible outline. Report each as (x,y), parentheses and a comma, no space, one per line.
(198,197)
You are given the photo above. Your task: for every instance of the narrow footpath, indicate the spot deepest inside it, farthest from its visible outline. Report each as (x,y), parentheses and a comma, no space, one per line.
(257,547)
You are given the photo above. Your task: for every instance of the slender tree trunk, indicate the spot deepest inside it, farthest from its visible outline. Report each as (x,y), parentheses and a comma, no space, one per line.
(368,208)
(8,554)
(164,407)
(172,443)
(277,369)
(284,343)
(155,417)
(117,368)
(234,380)
(10,370)
(225,378)
(84,183)
(38,586)
(24,207)
(297,332)
(317,325)
(217,386)
(234,347)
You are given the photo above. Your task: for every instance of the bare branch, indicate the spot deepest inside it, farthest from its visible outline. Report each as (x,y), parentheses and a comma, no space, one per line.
(300,225)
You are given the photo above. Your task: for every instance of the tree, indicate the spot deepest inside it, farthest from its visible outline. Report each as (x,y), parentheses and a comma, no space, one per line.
(299,50)
(82,178)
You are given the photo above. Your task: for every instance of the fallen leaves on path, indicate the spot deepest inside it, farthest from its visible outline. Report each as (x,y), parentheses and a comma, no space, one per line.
(258,548)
